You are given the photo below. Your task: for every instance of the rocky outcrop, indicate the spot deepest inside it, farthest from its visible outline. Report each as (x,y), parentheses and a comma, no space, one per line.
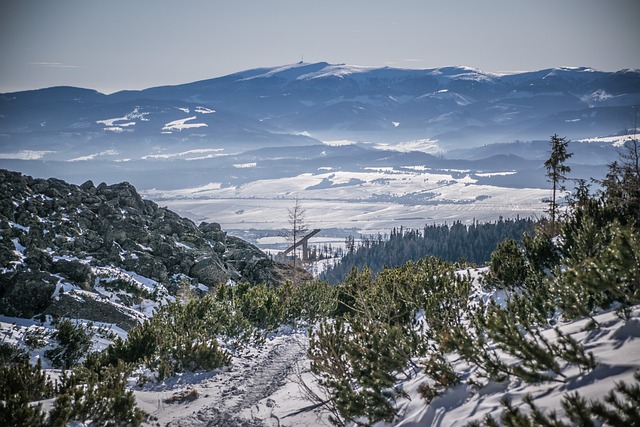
(51,231)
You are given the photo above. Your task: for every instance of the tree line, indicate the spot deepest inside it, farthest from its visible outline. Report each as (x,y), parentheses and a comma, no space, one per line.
(456,242)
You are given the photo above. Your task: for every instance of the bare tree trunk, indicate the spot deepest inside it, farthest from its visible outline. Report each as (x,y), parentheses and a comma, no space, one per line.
(297,230)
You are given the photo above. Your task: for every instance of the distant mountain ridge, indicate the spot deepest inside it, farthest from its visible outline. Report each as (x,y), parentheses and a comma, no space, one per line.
(458,106)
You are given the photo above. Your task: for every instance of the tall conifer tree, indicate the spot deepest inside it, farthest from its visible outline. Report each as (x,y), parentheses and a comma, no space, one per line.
(556,170)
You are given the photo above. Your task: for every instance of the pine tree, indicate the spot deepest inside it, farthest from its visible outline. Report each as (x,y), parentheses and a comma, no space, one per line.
(616,412)
(74,342)
(622,183)
(556,170)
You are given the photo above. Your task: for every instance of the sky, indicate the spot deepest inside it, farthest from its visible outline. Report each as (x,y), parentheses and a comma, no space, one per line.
(135,44)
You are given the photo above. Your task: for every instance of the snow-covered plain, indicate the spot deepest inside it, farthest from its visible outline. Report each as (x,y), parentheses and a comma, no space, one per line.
(370,201)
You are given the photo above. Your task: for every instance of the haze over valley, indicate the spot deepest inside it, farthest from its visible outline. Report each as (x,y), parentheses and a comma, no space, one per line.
(366,149)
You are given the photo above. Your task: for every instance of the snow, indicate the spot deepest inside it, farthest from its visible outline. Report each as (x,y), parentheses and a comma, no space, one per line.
(615,347)
(110,122)
(598,96)
(182,124)
(446,95)
(339,143)
(277,70)
(490,174)
(15,330)
(264,384)
(371,200)
(616,140)
(94,156)
(340,70)
(259,386)
(183,246)
(17,245)
(204,110)
(188,155)
(62,286)
(114,129)
(127,118)
(428,146)
(25,155)
(245,165)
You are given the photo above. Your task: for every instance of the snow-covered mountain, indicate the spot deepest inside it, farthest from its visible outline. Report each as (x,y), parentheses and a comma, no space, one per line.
(253,140)
(275,105)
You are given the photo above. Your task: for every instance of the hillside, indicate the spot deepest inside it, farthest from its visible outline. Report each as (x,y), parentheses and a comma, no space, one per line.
(100,250)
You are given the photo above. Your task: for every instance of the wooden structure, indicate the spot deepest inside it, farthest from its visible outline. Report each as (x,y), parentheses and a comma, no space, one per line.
(305,245)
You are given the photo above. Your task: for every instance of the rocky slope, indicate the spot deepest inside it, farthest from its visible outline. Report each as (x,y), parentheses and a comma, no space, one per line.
(99,250)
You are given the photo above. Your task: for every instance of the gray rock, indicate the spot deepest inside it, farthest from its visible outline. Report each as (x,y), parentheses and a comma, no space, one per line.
(75,271)
(210,271)
(111,225)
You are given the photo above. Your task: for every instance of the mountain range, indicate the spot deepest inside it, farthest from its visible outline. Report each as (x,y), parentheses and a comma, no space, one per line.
(302,103)
(243,145)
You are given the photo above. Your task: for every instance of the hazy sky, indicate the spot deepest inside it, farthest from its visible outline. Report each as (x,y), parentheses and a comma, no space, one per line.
(134,44)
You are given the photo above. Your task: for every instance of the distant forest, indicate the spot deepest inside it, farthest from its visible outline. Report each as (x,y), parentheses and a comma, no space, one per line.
(456,242)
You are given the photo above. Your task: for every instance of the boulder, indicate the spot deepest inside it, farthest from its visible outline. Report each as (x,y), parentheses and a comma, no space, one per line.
(210,271)
(74,271)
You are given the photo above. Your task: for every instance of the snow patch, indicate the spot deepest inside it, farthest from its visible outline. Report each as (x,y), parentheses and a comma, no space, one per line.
(245,165)
(204,110)
(490,174)
(181,124)
(187,155)
(339,142)
(111,126)
(428,146)
(25,155)
(93,156)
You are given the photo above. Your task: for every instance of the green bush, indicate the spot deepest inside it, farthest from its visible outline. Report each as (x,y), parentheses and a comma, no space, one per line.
(96,399)
(359,354)
(74,341)
(178,338)
(508,266)
(20,384)
(17,411)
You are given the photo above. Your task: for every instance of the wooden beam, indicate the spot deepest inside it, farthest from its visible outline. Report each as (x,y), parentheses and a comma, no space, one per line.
(303,242)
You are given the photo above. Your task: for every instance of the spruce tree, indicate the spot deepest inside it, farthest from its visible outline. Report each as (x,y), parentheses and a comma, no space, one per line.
(556,170)
(621,186)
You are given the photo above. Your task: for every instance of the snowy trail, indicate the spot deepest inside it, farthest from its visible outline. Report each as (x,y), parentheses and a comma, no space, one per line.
(261,388)
(239,397)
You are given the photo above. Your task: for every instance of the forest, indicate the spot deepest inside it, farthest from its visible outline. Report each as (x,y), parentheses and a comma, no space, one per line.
(456,243)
